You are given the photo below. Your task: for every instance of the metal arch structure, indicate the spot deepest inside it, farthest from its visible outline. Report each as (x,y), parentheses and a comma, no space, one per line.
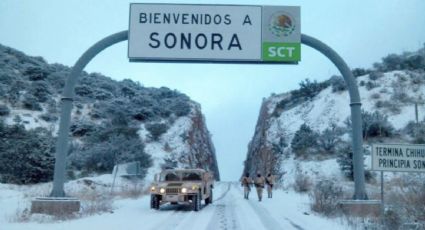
(356,117)
(62,144)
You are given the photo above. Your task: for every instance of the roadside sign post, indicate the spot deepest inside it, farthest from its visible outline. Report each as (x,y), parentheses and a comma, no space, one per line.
(396,158)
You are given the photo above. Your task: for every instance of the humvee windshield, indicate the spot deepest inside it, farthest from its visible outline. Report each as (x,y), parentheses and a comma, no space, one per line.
(180,176)
(171,176)
(191,176)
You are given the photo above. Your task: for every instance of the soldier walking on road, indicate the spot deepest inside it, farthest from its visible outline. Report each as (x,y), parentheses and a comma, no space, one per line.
(259,185)
(270,183)
(246,183)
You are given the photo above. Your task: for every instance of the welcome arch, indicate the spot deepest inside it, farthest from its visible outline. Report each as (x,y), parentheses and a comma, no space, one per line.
(62,144)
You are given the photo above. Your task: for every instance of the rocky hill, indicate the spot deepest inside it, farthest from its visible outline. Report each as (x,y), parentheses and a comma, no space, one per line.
(308,130)
(112,122)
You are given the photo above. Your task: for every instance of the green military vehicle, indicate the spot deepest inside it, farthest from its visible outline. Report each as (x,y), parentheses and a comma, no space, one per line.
(182,186)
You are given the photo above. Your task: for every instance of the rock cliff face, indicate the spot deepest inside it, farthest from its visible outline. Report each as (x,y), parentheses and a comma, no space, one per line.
(201,148)
(112,122)
(263,156)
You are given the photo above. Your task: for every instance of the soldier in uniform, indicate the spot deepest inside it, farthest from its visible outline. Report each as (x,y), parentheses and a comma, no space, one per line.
(270,183)
(259,185)
(246,183)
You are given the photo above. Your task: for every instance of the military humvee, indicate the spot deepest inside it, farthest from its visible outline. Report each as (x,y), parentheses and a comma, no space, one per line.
(182,186)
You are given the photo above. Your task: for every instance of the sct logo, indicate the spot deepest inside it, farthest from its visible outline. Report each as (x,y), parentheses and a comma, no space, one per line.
(281,24)
(276,51)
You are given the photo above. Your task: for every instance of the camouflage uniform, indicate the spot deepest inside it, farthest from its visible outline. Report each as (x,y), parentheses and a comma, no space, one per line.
(259,185)
(270,182)
(246,183)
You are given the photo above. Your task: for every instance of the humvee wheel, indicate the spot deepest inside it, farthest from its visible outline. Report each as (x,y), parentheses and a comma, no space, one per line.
(209,200)
(154,202)
(196,202)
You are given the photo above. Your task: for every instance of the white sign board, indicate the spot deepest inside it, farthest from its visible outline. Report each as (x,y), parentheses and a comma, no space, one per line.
(214,33)
(398,157)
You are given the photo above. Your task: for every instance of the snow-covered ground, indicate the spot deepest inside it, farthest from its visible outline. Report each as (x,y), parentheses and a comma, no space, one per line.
(286,210)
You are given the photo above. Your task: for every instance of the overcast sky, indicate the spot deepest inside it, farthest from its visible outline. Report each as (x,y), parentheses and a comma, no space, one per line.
(361,31)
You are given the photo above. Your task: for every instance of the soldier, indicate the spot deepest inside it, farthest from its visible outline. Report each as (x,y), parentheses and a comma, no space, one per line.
(259,185)
(246,183)
(270,183)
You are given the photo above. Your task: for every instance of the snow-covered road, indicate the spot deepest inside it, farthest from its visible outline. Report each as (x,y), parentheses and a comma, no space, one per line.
(229,211)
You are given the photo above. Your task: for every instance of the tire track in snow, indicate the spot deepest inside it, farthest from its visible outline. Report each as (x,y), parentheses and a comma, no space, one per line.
(224,217)
(224,193)
(294,224)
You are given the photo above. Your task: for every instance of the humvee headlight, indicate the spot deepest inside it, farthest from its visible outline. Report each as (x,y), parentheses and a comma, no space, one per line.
(184,190)
(194,187)
(162,190)
(153,189)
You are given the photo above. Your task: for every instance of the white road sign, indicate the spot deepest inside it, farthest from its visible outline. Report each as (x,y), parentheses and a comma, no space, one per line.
(214,33)
(398,157)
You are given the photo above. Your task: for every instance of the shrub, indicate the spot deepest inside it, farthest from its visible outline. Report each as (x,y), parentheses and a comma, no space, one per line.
(48,117)
(35,73)
(329,139)
(345,161)
(375,75)
(303,182)
(40,90)
(31,103)
(376,124)
(325,197)
(417,131)
(4,110)
(392,220)
(357,72)
(156,130)
(338,84)
(180,108)
(309,89)
(304,140)
(371,85)
(27,156)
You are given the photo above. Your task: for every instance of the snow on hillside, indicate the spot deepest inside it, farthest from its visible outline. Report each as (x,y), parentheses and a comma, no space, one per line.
(328,107)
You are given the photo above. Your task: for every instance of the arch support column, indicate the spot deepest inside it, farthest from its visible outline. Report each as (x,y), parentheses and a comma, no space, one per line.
(356,117)
(62,144)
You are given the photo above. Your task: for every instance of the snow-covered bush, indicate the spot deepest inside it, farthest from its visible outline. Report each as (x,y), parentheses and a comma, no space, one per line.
(303,182)
(371,85)
(156,129)
(357,72)
(4,110)
(31,103)
(392,219)
(376,124)
(325,196)
(338,84)
(27,156)
(36,73)
(309,89)
(375,75)
(40,90)
(329,139)
(345,161)
(304,141)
